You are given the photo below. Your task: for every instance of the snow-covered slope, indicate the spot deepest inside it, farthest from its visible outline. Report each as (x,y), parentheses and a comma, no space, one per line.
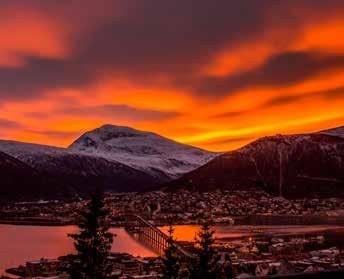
(30,152)
(145,151)
(338,132)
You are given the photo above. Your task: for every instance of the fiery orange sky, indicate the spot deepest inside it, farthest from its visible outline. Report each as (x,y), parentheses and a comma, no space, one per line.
(215,74)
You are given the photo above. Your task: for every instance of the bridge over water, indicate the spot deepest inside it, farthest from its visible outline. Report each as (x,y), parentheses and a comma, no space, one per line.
(150,236)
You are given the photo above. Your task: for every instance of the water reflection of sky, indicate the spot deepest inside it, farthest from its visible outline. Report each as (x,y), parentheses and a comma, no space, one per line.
(188,232)
(22,243)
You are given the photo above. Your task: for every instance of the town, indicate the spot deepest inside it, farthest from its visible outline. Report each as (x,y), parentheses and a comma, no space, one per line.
(249,207)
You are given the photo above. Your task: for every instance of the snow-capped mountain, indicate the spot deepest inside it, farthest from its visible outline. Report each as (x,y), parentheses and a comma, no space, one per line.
(141,150)
(293,166)
(77,172)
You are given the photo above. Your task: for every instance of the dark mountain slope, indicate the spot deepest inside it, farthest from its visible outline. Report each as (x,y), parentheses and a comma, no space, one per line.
(20,181)
(294,166)
(83,173)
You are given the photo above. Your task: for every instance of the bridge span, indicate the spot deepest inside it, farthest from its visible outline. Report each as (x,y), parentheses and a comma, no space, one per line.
(150,236)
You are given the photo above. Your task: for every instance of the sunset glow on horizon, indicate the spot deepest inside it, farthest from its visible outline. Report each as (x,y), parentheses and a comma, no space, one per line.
(256,68)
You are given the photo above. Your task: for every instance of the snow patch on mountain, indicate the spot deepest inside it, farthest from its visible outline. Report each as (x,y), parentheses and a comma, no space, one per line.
(30,152)
(142,150)
(18,148)
(337,132)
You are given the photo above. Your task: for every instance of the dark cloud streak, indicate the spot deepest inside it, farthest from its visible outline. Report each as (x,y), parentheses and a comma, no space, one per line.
(6,124)
(286,99)
(40,74)
(280,70)
(114,111)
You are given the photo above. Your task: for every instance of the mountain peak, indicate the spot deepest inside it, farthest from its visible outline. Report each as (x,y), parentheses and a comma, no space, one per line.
(108,132)
(111,127)
(142,150)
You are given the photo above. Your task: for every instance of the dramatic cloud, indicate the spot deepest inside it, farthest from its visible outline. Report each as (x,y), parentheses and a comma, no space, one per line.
(38,75)
(228,70)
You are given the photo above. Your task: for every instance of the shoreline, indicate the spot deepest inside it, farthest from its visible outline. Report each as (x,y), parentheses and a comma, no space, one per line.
(249,220)
(240,228)
(36,223)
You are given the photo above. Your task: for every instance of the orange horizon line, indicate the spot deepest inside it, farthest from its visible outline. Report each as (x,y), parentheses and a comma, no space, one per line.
(254,138)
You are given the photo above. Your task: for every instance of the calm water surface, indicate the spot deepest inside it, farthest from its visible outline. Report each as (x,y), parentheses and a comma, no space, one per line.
(19,244)
(188,232)
(22,243)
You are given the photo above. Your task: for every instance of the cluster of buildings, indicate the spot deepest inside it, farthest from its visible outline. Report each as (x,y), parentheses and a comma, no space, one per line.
(54,212)
(184,207)
(123,266)
(282,255)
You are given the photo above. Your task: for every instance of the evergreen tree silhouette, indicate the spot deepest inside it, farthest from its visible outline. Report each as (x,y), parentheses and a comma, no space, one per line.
(204,265)
(93,242)
(171,261)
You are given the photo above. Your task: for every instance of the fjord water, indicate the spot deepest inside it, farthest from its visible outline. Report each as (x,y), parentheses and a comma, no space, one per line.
(19,244)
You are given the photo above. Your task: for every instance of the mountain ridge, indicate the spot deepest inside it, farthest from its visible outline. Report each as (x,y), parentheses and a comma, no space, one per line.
(336,131)
(293,166)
